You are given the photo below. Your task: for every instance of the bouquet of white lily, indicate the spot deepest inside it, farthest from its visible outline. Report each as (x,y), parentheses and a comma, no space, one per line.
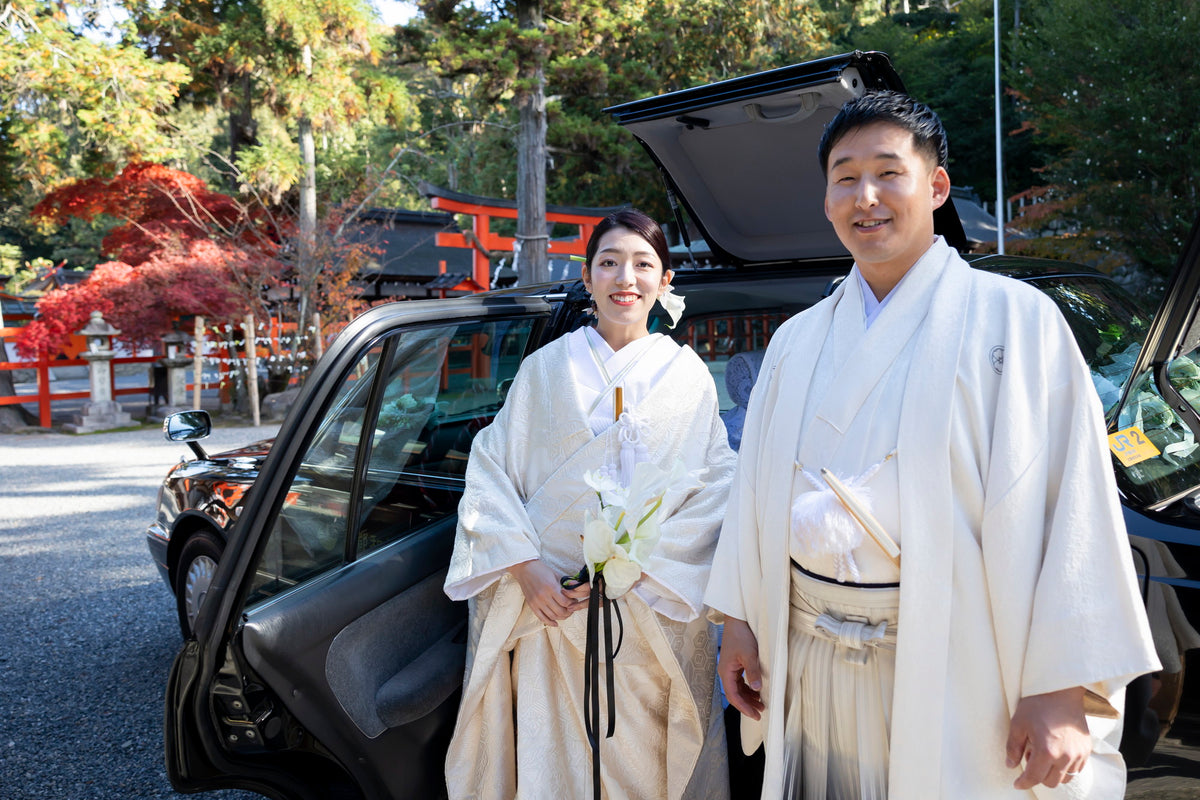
(619,540)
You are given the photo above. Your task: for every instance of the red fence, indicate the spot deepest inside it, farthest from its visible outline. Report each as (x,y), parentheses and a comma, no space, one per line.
(271,341)
(44,396)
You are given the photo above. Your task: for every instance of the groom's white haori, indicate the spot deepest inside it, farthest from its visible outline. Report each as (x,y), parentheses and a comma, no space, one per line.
(525,499)
(1015,578)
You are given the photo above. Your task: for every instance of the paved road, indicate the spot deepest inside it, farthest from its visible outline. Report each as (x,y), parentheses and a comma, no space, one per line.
(87,627)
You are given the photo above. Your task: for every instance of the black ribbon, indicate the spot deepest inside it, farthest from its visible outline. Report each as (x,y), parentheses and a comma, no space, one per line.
(599,606)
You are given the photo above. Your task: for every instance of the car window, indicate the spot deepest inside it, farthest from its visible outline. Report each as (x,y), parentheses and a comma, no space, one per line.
(1176,467)
(1109,327)
(718,338)
(423,395)
(442,388)
(309,533)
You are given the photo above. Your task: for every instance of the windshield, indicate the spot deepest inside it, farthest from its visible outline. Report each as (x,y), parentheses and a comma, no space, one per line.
(1109,326)
(1110,329)
(1172,468)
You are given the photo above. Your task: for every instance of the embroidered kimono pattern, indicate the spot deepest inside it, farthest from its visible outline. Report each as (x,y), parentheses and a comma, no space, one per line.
(525,499)
(1015,574)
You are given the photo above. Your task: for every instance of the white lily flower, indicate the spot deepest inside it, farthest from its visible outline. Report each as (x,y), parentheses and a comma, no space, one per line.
(643,543)
(619,540)
(672,303)
(611,492)
(651,483)
(603,554)
(598,540)
(620,574)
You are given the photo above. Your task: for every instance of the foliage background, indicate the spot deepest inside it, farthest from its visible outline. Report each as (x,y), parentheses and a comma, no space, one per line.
(1098,117)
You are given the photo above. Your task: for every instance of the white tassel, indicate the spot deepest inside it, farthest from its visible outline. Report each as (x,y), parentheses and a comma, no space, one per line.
(821,526)
(633,451)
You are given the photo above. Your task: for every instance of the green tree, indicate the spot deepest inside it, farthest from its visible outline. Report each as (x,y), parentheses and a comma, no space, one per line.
(305,98)
(320,42)
(946,60)
(74,104)
(1110,87)
(596,54)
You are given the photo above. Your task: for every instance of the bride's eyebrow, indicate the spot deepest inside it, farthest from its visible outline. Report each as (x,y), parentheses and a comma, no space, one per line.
(638,253)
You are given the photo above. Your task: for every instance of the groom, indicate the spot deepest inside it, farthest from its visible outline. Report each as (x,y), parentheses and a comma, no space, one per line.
(996,648)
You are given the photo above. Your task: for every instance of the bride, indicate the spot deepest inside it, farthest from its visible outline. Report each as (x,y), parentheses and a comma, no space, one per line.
(520,730)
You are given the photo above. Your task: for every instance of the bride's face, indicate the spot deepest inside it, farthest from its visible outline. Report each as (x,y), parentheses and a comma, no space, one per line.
(625,279)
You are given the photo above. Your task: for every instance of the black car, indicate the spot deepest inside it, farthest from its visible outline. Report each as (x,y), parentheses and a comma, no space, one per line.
(327,662)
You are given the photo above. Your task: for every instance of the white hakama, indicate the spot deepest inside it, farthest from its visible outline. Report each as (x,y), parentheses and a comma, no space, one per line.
(841,668)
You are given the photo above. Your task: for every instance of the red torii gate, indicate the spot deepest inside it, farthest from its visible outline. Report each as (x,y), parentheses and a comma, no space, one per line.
(482,209)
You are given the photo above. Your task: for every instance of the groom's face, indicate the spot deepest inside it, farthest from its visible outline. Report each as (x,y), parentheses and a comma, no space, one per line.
(880,193)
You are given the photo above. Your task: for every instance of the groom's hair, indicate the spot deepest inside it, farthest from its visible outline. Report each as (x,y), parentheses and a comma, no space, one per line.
(641,224)
(896,108)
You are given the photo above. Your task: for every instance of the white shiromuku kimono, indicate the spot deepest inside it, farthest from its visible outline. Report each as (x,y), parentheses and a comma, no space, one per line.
(1015,574)
(520,730)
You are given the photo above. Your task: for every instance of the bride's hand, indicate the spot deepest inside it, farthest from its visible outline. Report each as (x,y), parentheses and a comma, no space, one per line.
(546,597)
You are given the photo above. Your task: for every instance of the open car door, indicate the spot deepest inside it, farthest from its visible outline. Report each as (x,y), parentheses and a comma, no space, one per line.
(1154,435)
(327,661)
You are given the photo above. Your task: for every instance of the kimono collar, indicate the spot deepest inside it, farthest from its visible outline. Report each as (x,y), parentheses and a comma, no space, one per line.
(873,306)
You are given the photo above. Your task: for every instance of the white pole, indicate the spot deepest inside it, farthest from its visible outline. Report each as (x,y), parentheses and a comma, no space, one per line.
(999,154)
(197,362)
(252,367)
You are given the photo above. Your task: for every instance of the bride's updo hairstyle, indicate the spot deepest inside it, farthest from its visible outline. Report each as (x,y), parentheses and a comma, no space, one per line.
(639,223)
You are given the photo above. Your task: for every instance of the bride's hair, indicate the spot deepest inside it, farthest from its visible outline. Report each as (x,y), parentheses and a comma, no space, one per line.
(641,224)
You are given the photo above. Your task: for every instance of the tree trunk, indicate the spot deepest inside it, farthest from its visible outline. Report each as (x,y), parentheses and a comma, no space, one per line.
(308,205)
(243,129)
(252,368)
(532,261)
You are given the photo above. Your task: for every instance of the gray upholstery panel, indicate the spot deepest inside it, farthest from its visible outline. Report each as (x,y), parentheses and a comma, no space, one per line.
(391,644)
(423,685)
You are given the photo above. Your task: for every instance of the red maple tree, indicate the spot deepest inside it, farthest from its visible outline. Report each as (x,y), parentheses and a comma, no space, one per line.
(158,205)
(182,249)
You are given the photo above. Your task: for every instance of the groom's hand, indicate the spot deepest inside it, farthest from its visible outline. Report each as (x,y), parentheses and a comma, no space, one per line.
(1050,734)
(738,668)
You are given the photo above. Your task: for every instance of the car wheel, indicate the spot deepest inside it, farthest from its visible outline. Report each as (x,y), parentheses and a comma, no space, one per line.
(197,564)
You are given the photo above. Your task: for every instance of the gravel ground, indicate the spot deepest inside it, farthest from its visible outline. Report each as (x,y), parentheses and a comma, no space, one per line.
(87,627)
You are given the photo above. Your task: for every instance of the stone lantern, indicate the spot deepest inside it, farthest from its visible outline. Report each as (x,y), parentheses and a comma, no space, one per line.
(172,370)
(100,413)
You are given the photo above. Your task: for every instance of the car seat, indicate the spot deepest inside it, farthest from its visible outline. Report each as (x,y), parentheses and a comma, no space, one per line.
(740,374)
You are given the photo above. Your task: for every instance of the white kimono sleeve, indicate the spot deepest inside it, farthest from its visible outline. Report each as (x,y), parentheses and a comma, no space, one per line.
(674,580)
(1055,533)
(494,531)
(737,572)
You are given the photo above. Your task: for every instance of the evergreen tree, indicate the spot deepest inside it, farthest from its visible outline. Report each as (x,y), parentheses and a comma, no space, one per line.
(1110,87)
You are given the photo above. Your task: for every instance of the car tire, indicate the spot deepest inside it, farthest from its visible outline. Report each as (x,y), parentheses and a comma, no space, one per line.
(197,563)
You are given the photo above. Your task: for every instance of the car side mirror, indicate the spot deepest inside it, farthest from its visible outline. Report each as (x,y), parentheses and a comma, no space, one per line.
(188,426)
